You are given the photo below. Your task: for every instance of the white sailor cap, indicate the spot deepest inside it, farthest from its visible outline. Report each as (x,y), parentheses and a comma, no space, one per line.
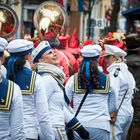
(3,44)
(19,47)
(114,50)
(91,50)
(42,47)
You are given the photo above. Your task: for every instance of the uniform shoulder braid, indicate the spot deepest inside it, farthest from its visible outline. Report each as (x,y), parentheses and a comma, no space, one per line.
(6,93)
(104,84)
(116,73)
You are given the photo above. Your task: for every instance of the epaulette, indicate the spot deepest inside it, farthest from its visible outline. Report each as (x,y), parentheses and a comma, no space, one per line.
(116,73)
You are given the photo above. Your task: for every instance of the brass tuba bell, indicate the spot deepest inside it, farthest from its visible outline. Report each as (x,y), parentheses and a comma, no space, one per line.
(50,16)
(8,21)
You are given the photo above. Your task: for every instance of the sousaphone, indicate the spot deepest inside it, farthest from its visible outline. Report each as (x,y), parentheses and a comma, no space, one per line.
(8,21)
(50,16)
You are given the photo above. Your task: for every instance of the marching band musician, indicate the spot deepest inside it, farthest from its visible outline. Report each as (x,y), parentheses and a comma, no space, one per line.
(11,104)
(100,99)
(125,84)
(35,106)
(54,77)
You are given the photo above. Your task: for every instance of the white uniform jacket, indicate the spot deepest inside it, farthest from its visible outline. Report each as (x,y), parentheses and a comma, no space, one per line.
(35,107)
(55,100)
(11,114)
(123,80)
(95,109)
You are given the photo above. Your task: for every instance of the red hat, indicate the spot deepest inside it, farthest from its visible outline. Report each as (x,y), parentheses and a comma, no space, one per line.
(49,36)
(36,43)
(63,40)
(88,42)
(121,45)
(110,35)
(73,45)
(111,40)
(116,42)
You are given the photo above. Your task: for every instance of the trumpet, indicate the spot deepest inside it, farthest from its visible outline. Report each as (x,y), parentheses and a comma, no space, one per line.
(8,21)
(50,16)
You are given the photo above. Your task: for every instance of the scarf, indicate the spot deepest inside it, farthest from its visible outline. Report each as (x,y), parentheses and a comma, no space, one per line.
(53,70)
(57,73)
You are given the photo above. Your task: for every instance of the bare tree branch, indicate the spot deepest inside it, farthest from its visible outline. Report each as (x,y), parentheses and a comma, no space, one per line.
(114,16)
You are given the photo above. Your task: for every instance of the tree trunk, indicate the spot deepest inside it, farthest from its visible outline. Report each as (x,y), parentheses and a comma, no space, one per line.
(89,16)
(114,16)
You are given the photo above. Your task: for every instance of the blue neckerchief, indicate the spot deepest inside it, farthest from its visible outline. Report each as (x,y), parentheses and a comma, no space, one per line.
(10,65)
(86,63)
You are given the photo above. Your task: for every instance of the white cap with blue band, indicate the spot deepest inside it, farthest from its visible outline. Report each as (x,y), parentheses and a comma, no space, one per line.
(43,47)
(19,47)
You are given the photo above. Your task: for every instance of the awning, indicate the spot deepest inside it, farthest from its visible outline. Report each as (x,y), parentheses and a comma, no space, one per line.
(132,12)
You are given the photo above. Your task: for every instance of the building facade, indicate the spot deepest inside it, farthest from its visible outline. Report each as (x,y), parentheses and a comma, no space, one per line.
(91,18)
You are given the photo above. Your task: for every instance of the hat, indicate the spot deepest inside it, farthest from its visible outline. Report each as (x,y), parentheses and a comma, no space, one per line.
(73,45)
(3,44)
(115,42)
(110,35)
(88,42)
(63,40)
(114,50)
(51,38)
(91,50)
(19,47)
(43,47)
